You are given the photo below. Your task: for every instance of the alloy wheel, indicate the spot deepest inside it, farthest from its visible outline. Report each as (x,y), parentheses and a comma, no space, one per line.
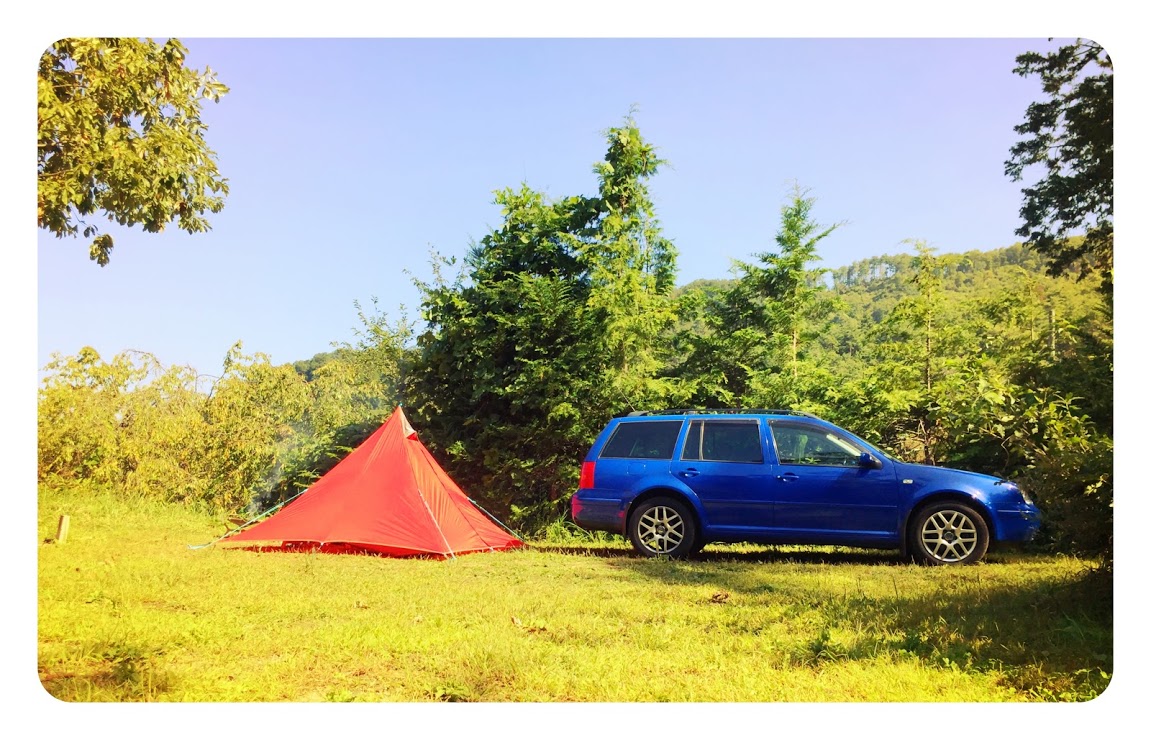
(661,529)
(949,535)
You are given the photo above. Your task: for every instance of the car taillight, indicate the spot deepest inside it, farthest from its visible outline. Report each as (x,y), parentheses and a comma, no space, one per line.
(587,475)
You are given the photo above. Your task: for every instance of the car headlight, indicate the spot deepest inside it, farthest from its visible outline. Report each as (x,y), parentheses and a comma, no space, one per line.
(1026,498)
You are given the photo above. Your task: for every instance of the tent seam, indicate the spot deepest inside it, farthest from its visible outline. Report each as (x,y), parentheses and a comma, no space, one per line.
(435,522)
(467,521)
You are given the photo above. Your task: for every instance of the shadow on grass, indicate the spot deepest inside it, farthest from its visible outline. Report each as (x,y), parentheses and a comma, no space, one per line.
(122,673)
(1048,637)
(766,555)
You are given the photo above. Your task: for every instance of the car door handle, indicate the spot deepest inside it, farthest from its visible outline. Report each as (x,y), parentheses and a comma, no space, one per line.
(689,473)
(786,477)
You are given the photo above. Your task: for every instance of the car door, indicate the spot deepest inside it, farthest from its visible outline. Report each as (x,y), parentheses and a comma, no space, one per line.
(820,488)
(723,461)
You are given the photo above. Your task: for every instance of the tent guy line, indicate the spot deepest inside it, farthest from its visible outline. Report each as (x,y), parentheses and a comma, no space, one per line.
(253,520)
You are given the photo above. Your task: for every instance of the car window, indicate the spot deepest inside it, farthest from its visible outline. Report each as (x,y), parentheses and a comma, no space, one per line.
(723,441)
(645,440)
(800,444)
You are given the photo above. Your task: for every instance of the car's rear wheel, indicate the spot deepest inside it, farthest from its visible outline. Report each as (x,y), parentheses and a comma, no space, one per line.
(662,526)
(949,533)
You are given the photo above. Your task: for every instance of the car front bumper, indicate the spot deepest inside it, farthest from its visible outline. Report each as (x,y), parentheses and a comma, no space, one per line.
(1017,525)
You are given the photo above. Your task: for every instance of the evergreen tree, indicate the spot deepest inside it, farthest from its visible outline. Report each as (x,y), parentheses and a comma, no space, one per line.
(758,331)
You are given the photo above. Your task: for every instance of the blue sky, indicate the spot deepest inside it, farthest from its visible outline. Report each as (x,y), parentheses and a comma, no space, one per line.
(349,160)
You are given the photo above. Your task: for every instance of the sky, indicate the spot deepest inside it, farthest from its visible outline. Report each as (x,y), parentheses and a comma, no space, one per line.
(350,160)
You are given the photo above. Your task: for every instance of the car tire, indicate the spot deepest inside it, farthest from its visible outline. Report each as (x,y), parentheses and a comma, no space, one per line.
(662,526)
(949,533)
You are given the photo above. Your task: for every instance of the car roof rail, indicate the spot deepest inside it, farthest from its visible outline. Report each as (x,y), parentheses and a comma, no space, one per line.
(669,412)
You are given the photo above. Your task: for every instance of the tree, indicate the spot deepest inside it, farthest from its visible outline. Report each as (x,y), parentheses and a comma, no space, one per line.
(798,298)
(82,412)
(917,341)
(1070,136)
(351,390)
(920,314)
(120,133)
(555,324)
(632,268)
(252,413)
(757,332)
(509,382)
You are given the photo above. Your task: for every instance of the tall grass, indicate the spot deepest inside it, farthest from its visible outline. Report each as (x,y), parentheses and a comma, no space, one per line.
(128,613)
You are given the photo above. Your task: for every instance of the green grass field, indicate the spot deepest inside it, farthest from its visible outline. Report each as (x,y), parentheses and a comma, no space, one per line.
(128,613)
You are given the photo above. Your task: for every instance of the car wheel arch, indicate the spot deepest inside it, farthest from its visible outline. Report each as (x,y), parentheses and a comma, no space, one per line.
(665,493)
(958,497)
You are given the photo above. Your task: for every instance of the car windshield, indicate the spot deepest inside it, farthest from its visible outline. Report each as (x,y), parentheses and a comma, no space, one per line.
(867,443)
(882,448)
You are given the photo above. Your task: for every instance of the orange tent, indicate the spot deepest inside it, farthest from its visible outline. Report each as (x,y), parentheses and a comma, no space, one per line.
(388,496)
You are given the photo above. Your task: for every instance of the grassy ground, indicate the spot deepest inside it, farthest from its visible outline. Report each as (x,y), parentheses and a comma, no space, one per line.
(128,613)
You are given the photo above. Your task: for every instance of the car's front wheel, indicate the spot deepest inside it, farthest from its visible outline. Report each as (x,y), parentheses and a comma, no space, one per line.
(662,526)
(949,533)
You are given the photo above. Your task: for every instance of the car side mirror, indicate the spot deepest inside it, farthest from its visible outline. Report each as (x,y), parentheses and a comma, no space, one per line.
(869,462)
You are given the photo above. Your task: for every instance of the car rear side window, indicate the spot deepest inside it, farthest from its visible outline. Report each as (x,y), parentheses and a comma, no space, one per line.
(723,441)
(644,440)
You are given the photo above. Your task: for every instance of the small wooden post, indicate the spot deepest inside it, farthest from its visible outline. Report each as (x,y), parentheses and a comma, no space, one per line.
(62,530)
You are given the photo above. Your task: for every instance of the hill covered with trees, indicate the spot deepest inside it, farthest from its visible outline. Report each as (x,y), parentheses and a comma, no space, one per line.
(567,313)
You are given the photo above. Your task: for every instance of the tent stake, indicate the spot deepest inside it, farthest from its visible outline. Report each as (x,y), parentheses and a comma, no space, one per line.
(62,529)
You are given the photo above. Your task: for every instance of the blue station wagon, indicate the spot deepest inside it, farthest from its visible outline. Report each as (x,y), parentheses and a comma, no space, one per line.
(674,481)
